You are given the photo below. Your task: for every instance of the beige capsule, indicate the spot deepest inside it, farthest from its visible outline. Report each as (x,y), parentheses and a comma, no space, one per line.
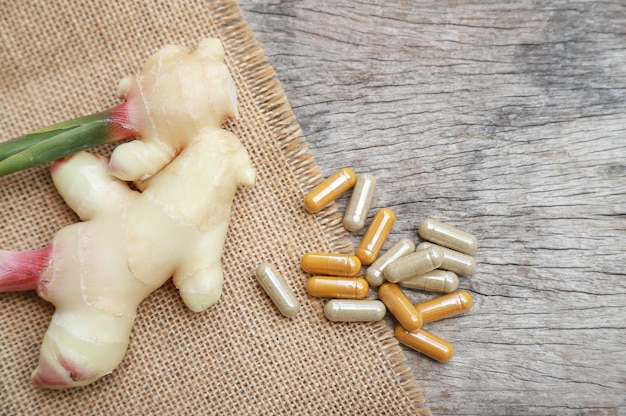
(359,203)
(374,273)
(347,310)
(454,261)
(441,281)
(277,288)
(414,264)
(448,236)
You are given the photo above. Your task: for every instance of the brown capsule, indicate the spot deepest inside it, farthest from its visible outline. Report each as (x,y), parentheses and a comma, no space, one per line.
(441,281)
(414,264)
(400,306)
(374,273)
(454,261)
(445,306)
(446,235)
(329,190)
(375,236)
(337,287)
(426,343)
(331,264)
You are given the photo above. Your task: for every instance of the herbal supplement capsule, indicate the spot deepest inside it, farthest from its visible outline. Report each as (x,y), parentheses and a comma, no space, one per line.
(454,261)
(374,274)
(414,264)
(275,285)
(331,264)
(329,190)
(426,343)
(441,281)
(400,306)
(375,236)
(445,306)
(337,287)
(446,235)
(346,310)
(360,201)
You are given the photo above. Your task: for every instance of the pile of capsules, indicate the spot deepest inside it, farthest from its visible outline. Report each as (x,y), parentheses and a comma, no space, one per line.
(430,266)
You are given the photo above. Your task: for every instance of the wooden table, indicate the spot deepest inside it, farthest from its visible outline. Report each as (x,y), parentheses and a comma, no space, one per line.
(508,120)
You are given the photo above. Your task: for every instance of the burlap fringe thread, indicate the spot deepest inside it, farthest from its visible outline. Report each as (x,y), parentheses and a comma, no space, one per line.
(249,66)
(267,88)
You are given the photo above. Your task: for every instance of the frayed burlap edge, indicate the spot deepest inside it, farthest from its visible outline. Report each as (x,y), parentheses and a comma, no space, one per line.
(261,90)
(263,81)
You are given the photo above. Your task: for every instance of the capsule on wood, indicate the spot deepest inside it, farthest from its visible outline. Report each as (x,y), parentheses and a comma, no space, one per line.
(332,264)
(445,306)
(348,310)
(454,261)
(441,281)
(359,203)
(277,288)
(414,264)
(374,273)
(400,306)
(329,190)
(337,287)
(375,236)
(446,235)
(426,343)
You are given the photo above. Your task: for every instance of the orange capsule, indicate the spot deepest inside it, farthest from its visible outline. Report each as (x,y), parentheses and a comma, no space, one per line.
(400,306)
(375,236)
(329,190)
(337,287)
(426,343)
(445,306)
(331,264)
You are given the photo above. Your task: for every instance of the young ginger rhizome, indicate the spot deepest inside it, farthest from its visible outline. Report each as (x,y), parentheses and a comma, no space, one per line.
(96,272)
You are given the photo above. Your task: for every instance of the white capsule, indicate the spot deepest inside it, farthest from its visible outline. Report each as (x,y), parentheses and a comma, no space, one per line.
(374,273)
(448,236)
(414,264)
(277,288)
(441,281)
(348,310)
(360,201)
(454,261)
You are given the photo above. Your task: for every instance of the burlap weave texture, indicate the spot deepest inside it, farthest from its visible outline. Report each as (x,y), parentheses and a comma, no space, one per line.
(61,59)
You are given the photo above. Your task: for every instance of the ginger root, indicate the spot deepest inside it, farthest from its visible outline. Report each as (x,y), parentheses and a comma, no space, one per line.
(129,242)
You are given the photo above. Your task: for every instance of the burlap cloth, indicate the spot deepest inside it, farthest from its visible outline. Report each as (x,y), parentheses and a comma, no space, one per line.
(62,59)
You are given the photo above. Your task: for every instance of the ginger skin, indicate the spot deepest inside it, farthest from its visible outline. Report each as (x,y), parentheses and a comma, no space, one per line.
(176,95)
(97,271)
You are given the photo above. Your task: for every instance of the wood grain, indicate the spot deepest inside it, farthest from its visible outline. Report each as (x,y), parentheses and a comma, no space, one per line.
(506,119)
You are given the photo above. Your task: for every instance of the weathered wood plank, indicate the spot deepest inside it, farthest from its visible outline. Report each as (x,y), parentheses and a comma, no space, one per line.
(506,119)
